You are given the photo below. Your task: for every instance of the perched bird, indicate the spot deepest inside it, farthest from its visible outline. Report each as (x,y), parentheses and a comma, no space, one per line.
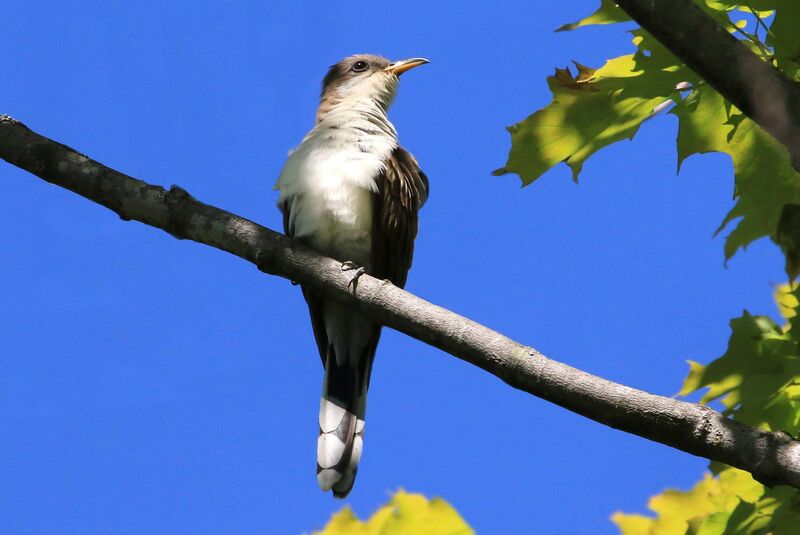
(351,192)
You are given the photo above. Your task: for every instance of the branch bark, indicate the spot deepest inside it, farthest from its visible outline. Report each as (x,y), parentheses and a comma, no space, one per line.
(772,458)
(761,91)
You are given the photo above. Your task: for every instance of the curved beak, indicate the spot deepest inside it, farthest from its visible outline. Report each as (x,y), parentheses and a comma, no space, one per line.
(399,67)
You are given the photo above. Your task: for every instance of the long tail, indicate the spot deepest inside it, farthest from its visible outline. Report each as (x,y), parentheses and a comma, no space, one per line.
(344,401)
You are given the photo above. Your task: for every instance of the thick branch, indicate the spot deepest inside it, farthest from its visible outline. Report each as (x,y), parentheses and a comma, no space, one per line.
(761,91)
(773,458)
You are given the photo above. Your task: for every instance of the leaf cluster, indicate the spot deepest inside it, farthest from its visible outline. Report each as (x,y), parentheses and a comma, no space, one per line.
(757,381)
(602,106)
(404,513)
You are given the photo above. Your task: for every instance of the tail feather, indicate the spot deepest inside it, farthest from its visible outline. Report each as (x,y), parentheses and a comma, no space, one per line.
(350,341)
(341,428)
(339,447)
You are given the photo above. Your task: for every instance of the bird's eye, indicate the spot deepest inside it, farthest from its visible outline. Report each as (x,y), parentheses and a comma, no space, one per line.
(360,66)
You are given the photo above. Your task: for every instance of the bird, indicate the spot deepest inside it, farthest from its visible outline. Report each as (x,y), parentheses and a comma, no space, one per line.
(351,192)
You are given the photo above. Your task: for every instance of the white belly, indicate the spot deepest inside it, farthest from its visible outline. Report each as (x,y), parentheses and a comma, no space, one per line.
(330,181)
(336,220)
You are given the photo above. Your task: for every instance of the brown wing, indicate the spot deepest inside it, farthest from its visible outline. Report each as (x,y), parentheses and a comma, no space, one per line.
(402,190)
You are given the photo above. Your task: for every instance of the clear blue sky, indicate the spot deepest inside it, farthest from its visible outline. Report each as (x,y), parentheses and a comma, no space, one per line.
(149,385)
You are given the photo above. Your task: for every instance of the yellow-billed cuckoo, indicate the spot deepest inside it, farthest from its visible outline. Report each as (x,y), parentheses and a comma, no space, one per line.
(350,191)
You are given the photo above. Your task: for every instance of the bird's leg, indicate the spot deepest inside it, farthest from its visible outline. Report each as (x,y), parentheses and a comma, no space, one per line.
(348,265)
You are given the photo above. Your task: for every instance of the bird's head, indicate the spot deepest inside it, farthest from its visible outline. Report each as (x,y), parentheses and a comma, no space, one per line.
(364,76)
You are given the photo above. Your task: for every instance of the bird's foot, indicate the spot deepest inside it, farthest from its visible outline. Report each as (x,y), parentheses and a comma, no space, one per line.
(350,266)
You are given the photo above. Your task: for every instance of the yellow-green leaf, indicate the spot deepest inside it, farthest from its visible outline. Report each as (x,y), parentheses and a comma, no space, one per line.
(784,37)
(786,300)
(679,512)
(594,109)
(607,13)
(405,514)
(632,524)
(732,503)
(764,177)
(586,115)
(755,378)
(713,524)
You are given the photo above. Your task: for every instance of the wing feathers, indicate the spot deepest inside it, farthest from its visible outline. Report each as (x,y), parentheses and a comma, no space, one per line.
(402,190)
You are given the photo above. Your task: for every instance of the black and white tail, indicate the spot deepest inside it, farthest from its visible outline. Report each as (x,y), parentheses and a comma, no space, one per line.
(350,342)
(341,423)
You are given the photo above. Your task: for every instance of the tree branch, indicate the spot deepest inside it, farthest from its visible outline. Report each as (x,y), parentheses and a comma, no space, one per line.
(772,458)
(761,91)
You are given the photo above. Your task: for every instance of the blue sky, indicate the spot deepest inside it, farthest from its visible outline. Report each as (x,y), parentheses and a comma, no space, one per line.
(159,386)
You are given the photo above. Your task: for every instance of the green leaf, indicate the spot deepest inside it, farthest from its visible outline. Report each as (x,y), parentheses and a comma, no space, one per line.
(794,319)
(713,524)
(787,236)
(758,382)
(786,299)
(761,6)
(757,378)
(693,511)
(405,514)
(773,512)
(632,524)
(732,503)
(594,109)
(589,113)
(607,13)
(784,37)
(764,177)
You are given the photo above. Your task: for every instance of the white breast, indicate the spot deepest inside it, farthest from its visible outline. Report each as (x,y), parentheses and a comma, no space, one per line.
(330,181)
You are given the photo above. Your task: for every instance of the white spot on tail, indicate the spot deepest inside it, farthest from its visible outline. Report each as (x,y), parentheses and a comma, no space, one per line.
(327,478)
(330,415)
(358,446)
(329,450)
